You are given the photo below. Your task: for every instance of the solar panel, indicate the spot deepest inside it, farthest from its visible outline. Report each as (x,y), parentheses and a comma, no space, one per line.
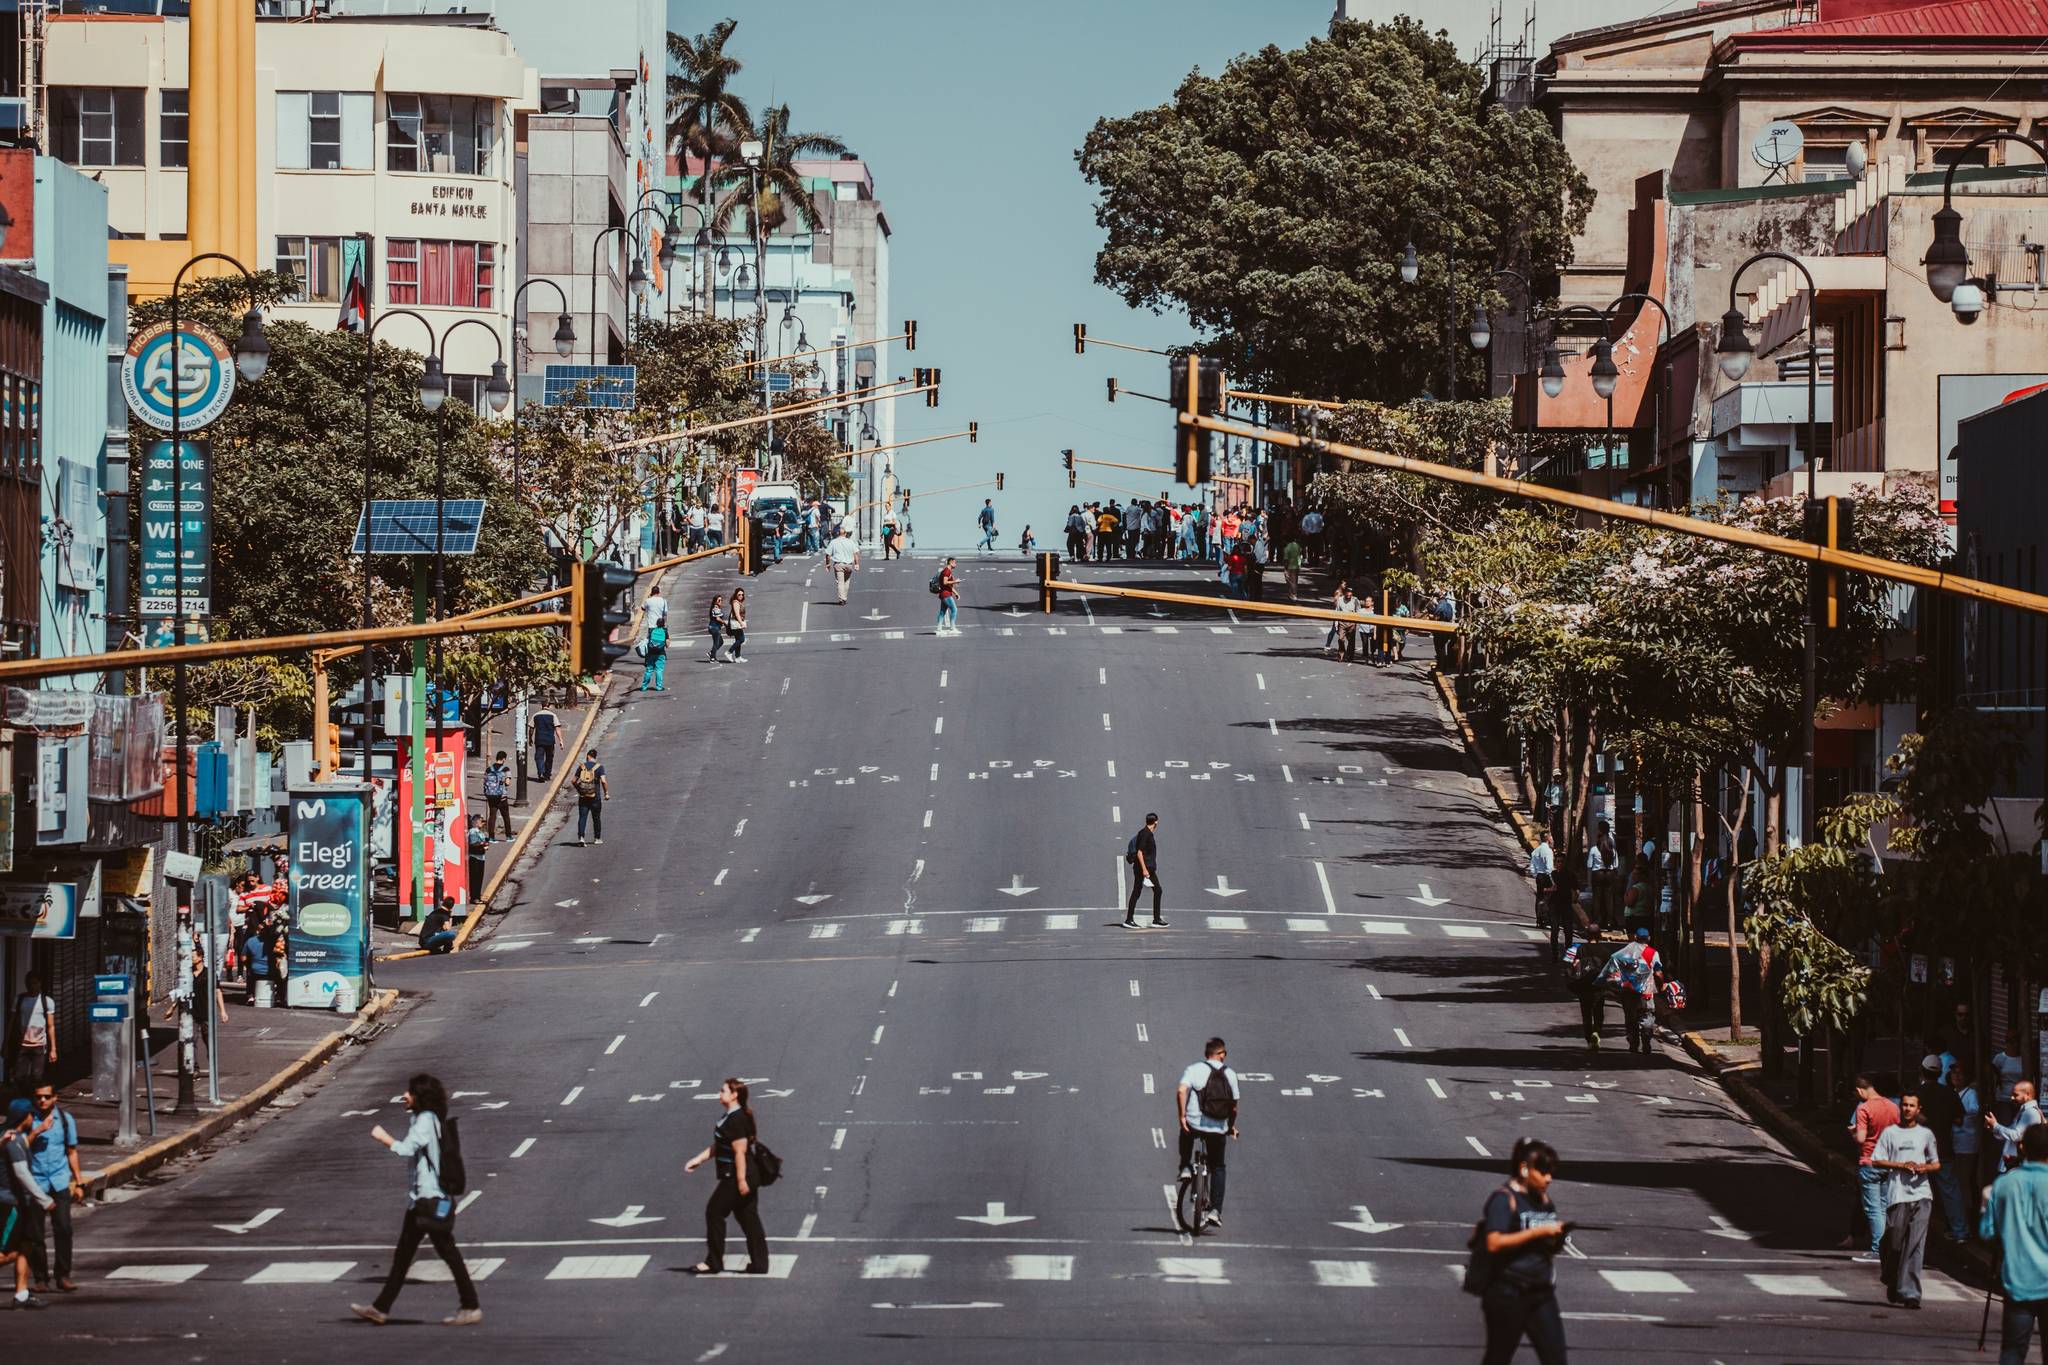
(405,526)
(605,386)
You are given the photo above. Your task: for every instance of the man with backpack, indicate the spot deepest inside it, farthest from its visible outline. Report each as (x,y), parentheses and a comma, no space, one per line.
(1207,1099)
(654,649)
(1634,973)
(592,790)
(1584,964)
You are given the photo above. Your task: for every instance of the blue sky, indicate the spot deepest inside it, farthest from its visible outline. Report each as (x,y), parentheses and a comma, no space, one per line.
(968,113)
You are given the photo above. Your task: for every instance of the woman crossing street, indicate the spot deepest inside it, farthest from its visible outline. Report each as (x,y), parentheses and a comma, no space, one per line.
(734,1195)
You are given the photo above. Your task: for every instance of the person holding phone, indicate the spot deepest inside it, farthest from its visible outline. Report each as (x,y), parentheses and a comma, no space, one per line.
(1523,1234)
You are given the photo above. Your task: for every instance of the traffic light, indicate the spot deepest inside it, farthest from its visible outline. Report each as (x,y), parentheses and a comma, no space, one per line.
(1197,392)
(1830,522)
(928,380)
(1080,338)
(910,335)
(1112,388)
(1067,459)
(974,433)
(1070,478)
(1048,572)
(600,598)
(906,502)
(999,481)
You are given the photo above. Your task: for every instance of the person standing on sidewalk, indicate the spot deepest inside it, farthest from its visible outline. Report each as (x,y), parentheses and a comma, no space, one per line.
(1907,1151)
(844,557)
(1543,871)
(435,1154)
(498,795)
(592,790)
(1958,1180)
(53,1165)
(1142,853)
(543,730)
(22,1202)
(734,1195)
(34,1026)
(2028,1115)
(2016,1217)
(479,853)
(1874,1114)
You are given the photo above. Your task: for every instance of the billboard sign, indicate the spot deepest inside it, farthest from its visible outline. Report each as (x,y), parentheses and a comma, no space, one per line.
(328,873)
(1962,396)
(39,909)
(205,376)
(162,568)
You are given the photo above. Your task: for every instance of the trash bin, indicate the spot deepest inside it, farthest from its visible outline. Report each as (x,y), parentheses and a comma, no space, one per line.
(345,998)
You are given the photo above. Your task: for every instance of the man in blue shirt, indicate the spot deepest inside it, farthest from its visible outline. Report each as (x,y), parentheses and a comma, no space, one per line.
(53,1165)
(1213,1129)
(2016,1216)
(986,518)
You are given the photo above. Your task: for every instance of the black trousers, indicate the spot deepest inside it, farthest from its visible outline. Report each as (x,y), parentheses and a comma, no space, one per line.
(1592,1010)
(1138,885)
(726,1200)
(498,808)
(59,1234)
(1213,1145)
(1513,1312)
(409,1234)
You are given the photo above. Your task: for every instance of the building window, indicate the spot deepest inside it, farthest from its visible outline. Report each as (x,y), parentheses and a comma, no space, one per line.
(442,274)
(1954,155)
(172,129)
(92,127)
(1826,163)
(324,130)
(315,262)
(445,134)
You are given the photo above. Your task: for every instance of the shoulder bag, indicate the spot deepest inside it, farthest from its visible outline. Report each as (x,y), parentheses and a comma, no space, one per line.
(1480,1264)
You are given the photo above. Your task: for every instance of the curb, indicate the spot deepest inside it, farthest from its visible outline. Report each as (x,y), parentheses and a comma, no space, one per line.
(1525,829)
(228,1115)
(1735,1078)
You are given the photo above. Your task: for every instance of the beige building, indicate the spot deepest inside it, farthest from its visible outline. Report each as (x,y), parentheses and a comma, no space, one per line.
(400,131)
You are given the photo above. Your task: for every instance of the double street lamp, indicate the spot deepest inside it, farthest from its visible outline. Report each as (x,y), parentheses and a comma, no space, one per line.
(1410,269)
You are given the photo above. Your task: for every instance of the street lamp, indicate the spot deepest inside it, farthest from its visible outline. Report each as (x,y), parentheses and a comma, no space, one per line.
(433,385)
(1410,270)
(1948,259)
(671,240)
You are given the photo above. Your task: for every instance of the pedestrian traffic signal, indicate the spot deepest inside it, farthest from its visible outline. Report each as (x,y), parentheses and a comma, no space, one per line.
(1112,388)
(1197,392)
(974,433)
(1830,522)
(1080,338)
(910,335)
(999,481)
(600,601)
(1048,573)
(1070,478)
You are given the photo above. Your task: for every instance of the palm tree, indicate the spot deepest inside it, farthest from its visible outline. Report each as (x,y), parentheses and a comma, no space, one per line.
(768,193)
(703,115)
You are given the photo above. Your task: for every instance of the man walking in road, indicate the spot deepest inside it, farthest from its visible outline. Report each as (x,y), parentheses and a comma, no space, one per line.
(592,791)
(53,1165)
(22,1202)
(1874,1114)
(544,730)
(844,557)
(986,519)
(2016,1217)
(1142,854)
(1907,1151)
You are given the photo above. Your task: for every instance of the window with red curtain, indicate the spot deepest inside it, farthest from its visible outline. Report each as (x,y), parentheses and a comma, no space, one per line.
(437,273)
(443,274)
(402,269)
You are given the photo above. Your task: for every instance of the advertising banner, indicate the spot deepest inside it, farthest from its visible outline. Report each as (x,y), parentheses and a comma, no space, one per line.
(328,871)
(445,822)
(205,376)
(39,909)
(161,568)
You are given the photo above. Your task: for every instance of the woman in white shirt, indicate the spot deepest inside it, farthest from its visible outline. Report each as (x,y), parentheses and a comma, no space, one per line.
(425,1199)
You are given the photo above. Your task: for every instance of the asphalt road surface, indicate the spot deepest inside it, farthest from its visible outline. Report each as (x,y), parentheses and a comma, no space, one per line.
(878,874)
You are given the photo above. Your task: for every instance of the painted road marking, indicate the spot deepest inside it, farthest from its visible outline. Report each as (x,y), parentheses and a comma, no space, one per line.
(1062,921)
(432,1271)
(1343,1274)
(598,1268)
(1262,680)
(1478,1146)
(1309,926)
(1375,990)
(302,1272)
(155,1274)
(648,999)
(1105,720)
(1193,1269)
(1302,815)
(750,935)
(1402,1034)
(1464,931)
(985,924)
(1041,1267)
(906,926)
(895,1267)
(1435,1089)
(1384,926)
(570,1098)
(826,930)
(1134,986)
(1226,921)
(838,1138)
(1795,1286)
(1143,1036)
(939,726)
(1286,772)
(719,880)
(1323,880)
(877,1039)
(523,1148)
(615,1045)
(1645,1282)
(1148,1082)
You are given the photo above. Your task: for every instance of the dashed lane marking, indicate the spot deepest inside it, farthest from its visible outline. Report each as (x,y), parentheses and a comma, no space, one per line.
(598,1268)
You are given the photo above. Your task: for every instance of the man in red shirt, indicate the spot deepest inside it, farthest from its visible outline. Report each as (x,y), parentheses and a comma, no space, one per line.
(1874,1114)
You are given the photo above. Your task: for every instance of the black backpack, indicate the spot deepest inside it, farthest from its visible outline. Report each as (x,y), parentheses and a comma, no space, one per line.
(1131,850)
(1217,1099)
(934,584)
(451,1173)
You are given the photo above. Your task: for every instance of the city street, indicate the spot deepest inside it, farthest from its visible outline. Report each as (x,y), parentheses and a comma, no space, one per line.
(879,875)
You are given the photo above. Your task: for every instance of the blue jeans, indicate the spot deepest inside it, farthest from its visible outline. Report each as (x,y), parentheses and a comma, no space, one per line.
(988,538)
(1870,1184)
(2016,1329)
(651,676)
(949,613)
(439,943)
(590,813)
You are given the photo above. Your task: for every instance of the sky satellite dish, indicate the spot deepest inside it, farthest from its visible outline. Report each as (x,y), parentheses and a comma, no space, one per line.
(1777,146)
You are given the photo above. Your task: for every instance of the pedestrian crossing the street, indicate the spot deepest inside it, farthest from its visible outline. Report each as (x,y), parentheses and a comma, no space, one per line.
(1024,629)
(1638,1289)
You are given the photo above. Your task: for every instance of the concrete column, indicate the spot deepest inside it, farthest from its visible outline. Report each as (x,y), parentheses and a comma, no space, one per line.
(207,149)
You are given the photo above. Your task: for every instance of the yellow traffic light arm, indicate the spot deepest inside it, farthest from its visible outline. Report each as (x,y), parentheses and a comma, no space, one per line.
(1245,395)
(922,493)
(903,445)
(1934,579)
(904,335)
(1082,341)
(841,401)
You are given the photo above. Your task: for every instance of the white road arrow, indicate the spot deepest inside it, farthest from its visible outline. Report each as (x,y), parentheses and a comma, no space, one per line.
(874,615)
(1016,887)
(1723,1228)
(813,900)
(568,904)
(254,1223)
(1426,899)
(1365,1221)
(995,1217)
(629,1219)
(1223,888)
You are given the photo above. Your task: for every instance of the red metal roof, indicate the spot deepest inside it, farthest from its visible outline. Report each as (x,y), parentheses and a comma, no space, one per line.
(1946,19)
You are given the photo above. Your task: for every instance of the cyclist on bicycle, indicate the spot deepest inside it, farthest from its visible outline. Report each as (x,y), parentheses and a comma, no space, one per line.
(1207,1098)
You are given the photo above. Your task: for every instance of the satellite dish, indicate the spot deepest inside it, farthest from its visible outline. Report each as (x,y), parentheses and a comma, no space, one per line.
(1777,146)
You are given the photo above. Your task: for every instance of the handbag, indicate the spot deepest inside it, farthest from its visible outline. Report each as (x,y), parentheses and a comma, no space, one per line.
(434,1214)
(764,1168)
(1480,1263)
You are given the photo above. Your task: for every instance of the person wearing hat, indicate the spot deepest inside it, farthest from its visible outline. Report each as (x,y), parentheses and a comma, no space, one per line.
(1634,973)
(22,1201)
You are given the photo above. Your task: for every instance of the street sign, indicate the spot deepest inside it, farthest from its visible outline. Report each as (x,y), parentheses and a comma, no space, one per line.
(747,478)
(110,985)
(110,1012)
(161,568)
(181,867)
(206,376)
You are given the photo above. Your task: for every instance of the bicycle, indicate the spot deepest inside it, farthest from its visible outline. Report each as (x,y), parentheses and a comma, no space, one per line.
(1194,1187)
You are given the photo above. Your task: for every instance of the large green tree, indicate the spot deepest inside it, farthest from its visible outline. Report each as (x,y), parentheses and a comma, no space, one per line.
(1271,204)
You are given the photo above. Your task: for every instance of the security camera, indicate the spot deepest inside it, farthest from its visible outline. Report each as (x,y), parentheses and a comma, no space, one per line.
(1968,301)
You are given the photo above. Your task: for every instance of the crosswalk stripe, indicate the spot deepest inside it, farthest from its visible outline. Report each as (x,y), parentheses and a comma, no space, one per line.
(1309,926)
(1276,630)
(1645,1282)
(1344,1274)
(1166,630)
(1940,1291)
(598,1268)
(895,1267)
(1192,1270)
(1006,630)
(1537,934)
(1226,921)
(155,1274)
(1795,1286)
(985,924)
(301,1272)
(1041,1267)
(436,1271)
(892,635)
(1062,921)
(1385,926)
(906,926)
(825,930)
(1219,630)
(1111,630)
(1464,931)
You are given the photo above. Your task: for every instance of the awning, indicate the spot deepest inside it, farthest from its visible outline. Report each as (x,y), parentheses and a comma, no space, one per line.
(256,843)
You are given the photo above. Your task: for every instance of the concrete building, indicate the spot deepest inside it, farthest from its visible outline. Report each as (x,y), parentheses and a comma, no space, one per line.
(397,132)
